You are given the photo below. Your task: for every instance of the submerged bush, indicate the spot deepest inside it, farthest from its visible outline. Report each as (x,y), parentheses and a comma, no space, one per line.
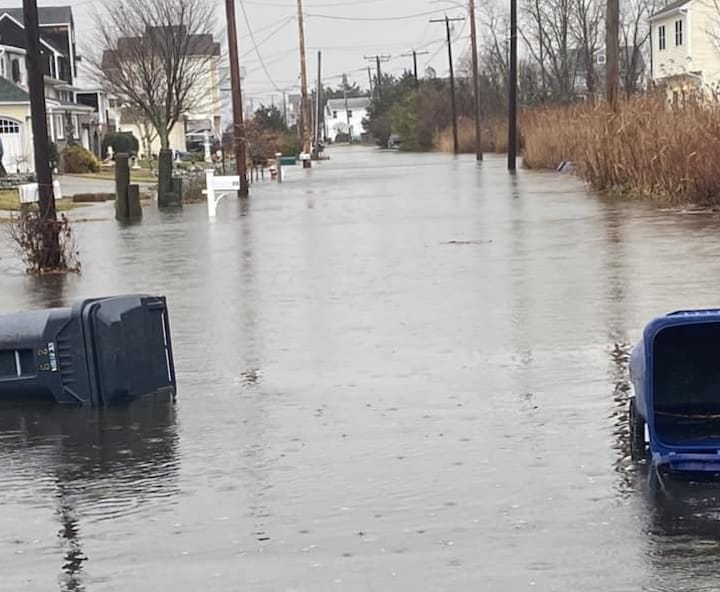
(29,232)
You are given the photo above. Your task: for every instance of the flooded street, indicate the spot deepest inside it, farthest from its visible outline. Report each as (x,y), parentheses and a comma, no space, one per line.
(403,373)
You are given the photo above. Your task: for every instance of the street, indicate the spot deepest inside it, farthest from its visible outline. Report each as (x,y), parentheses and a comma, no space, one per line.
(396,372)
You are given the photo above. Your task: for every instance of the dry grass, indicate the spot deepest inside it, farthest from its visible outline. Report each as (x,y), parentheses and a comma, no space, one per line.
(494,137)
(10,201)
(646,149)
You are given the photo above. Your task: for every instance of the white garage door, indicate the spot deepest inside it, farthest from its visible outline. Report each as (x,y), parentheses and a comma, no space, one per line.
(11,136)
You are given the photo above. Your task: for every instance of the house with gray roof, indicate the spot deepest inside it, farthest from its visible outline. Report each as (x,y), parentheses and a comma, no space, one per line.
(74,113)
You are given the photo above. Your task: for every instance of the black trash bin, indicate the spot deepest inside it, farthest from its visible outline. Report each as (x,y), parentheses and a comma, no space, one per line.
(100,351)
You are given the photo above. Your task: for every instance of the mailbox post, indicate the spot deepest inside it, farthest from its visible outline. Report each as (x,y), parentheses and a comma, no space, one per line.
(218,187)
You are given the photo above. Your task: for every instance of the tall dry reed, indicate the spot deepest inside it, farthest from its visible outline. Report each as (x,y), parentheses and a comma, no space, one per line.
(494,137)
(646,149)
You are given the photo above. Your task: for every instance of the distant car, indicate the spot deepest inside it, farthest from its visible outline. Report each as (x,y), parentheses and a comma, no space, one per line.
(393,142)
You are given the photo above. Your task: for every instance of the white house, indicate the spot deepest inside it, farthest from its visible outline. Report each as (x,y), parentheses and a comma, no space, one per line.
(685,41)
(344,118)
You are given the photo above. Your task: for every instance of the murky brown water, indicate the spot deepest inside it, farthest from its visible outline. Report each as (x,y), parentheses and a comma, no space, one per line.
(403,374)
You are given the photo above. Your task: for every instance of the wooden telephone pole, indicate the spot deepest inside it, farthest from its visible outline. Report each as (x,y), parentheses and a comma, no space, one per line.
(447,21)
(318,101)
(52,258)
(612,44)
(237,101)
(476,82)
(347,108)
(414,54)
(304,103)
(512,90)
(378,59)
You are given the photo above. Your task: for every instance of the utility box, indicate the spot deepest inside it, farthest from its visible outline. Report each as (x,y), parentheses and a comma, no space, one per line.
(98,352)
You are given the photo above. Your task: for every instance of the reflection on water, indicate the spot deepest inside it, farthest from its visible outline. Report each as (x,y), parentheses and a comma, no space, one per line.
(104,464)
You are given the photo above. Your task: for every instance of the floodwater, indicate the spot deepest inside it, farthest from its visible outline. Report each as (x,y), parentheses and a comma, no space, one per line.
(396,372)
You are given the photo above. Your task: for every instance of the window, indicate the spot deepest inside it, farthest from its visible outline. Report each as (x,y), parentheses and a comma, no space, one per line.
(334,114)
(678,32)
(661,37)
(15,67)
(60,127)
(8,126)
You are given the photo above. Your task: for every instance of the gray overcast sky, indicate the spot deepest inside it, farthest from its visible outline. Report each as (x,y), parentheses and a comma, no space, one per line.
(343,42)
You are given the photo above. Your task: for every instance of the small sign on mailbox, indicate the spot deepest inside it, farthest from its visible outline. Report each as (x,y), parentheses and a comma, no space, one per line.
(229,183)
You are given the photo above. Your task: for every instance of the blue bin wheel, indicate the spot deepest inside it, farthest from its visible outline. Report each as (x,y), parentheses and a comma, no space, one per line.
(638,450)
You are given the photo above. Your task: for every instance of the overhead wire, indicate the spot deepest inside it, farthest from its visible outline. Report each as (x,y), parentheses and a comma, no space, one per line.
(334,17)
(256,48)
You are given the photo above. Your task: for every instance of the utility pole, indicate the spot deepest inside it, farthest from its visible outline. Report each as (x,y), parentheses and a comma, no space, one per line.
(318,100)
(512,90)
(304,104)
(612,52)
(285,107)
(414,55)
(476,82)
(237,102)
(347,109)
(378,59)
(447,21)
(48,230)
(370,80)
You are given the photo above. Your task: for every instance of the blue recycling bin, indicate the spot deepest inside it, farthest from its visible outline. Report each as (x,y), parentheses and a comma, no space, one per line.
(674,415)
(98,352)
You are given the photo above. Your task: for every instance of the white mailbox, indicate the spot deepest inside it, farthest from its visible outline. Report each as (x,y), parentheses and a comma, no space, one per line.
(28,193)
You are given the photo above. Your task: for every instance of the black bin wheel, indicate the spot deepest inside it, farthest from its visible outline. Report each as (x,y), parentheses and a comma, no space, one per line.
(637,432)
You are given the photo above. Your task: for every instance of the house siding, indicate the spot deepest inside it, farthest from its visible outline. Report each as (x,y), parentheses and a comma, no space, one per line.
(706,56)
(674,59)
(696,63)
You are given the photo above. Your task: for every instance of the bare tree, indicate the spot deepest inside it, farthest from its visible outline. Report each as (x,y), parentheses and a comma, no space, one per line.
(586,29)
(634,37)
(156,56)
(548,36)
(148,133)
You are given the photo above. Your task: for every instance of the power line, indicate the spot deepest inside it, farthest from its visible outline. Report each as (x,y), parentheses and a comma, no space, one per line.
(267,38)
(374,19)
(255,46)
(320,5)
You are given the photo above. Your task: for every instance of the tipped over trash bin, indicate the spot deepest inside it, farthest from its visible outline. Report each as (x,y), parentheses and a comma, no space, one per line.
(99,352)
(676,378)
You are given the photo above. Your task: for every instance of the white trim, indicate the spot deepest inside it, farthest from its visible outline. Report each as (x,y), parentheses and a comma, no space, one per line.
(13,49)
(688,33)
(667,13)
(19,24)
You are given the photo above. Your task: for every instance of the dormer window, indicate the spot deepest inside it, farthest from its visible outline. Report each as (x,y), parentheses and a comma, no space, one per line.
(678,32)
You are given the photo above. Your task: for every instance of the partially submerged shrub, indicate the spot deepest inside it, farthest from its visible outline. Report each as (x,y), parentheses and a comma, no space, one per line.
(33,236)
(77,160)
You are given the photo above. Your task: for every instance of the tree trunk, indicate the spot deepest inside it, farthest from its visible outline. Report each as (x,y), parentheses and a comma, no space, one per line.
(613,52)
